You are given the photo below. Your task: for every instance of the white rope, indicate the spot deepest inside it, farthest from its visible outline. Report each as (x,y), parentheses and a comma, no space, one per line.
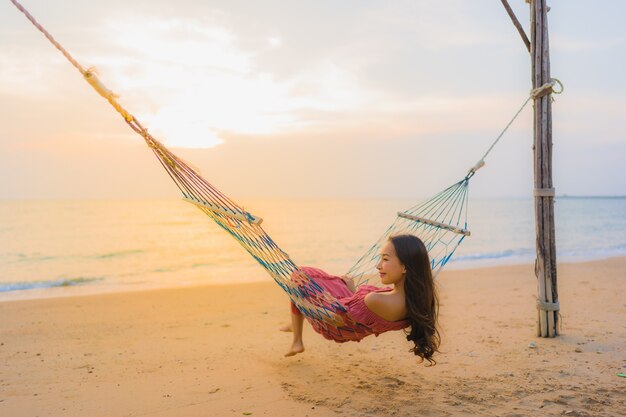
(481,161)
(544,192)
(49,36)
(547,88)
(546,306)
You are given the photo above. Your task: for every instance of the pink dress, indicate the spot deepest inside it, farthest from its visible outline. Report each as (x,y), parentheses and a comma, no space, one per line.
(361,321)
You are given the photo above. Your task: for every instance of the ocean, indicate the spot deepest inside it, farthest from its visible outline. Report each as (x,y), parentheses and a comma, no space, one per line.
(58,248)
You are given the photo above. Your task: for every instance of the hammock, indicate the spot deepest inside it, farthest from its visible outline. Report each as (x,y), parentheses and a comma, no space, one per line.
(441,222)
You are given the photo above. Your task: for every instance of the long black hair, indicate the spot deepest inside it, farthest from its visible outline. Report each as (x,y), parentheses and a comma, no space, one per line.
(422,302)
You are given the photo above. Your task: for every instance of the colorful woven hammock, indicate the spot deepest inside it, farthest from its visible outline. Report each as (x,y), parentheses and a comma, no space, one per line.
(441,222)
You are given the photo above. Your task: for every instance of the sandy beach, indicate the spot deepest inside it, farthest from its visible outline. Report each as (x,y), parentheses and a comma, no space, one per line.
(217,351)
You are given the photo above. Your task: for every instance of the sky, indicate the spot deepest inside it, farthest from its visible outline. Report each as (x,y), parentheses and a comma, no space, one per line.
(306,99)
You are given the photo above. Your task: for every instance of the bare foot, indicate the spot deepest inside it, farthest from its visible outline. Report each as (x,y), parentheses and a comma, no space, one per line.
(286,328)
(296,347)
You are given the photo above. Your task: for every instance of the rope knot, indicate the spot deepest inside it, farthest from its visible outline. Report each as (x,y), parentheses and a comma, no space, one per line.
(547,88)
(91,76)
(546,306)
(475,168)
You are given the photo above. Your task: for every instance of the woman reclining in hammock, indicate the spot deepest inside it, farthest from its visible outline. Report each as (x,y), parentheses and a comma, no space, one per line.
(411,302)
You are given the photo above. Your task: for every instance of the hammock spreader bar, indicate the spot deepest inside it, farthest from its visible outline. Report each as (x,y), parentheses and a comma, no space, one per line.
(246,217)
(435,224)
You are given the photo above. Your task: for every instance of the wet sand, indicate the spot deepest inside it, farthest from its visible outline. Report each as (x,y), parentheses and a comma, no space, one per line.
(217,351)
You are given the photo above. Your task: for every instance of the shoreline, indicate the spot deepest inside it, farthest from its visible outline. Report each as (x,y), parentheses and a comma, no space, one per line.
(216,351)
(81,290)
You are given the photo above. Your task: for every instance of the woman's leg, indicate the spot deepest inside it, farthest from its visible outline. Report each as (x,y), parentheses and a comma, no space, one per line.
(297,325)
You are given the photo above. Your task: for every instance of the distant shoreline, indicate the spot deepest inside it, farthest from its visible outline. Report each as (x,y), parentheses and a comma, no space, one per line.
(83,289)
(588,197)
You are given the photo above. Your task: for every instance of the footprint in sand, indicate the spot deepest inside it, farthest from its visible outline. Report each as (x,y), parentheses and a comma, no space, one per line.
(391,382)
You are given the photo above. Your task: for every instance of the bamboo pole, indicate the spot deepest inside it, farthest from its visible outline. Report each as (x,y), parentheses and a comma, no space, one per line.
(545,264)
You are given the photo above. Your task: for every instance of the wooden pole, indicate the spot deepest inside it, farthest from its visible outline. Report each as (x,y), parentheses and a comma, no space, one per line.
(545,264)
(516,23)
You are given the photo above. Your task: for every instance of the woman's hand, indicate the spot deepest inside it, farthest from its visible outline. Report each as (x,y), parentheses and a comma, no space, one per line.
(349,282)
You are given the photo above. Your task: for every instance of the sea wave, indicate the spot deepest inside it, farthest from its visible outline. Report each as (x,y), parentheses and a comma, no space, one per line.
(63,282)
(528,254)
(590,254)
(34,257)
(118,254)
(503,254)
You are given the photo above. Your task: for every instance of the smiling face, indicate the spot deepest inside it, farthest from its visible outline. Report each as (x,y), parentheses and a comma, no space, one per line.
(390,269)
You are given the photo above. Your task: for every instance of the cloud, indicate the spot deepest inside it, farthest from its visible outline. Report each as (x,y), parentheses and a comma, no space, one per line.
(22,73)
(196,80)
(191,83)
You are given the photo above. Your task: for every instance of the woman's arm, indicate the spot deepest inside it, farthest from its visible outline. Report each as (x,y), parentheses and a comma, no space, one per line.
(384,306)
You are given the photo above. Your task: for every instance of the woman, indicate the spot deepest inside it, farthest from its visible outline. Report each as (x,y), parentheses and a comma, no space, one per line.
(410,302)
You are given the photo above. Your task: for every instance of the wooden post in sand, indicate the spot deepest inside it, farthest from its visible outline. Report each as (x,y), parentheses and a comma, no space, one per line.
(545,263)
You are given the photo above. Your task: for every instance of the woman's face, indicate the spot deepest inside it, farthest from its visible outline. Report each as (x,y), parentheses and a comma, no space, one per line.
(389,267)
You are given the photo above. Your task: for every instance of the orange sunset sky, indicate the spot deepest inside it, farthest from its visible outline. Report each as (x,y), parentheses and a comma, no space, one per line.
(306,98)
